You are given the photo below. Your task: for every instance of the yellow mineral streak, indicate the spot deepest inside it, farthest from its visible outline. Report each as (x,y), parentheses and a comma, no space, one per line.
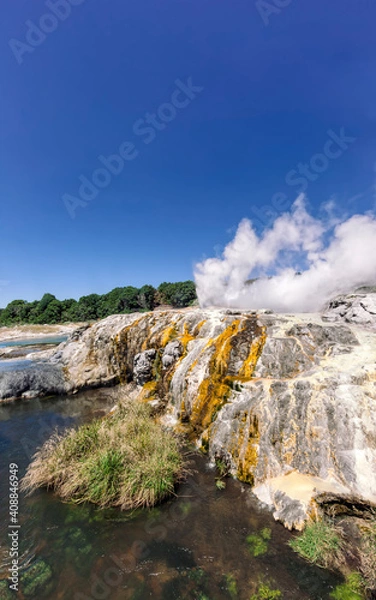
(198,327)
(148,392)
(185,338)
(213,391)
(120,344)
(248,450)
(168,334)
(146,344)
(246,372)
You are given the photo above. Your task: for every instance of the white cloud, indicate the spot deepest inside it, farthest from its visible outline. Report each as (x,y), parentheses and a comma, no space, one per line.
(335,264)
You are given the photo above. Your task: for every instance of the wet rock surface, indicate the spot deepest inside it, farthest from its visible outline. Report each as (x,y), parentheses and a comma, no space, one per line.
(35,380)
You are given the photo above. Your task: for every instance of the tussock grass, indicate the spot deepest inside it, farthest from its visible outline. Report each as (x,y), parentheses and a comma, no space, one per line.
(258,542)
(125,460)
(264,592)
(368,555)
(352,589)
(320,544)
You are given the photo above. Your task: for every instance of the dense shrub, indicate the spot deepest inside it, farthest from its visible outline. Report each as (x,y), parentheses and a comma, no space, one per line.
(95,306)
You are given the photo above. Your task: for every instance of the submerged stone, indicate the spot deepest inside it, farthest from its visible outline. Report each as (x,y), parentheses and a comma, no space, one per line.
(36,581)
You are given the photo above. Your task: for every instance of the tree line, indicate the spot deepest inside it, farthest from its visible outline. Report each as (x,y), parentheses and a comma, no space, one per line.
(50,310)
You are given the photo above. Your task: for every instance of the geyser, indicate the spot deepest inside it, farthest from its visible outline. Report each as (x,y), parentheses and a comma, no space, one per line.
(298,264)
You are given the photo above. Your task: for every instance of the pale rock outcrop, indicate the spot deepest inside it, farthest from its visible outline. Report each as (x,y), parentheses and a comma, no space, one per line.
(357,308)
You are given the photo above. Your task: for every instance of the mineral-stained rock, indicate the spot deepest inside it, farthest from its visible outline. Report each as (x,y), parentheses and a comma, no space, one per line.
(270,395)
(143,366)
(171,353)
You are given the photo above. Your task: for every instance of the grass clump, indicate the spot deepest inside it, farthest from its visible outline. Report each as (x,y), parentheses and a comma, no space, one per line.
(223,471)
(264,592)
(368,555)
(320,544)
(352,589)
(231,586)
(125,460)
(258,542)
(220,484)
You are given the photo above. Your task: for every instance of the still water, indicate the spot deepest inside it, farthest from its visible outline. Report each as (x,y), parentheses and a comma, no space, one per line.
(54,340)
(192,547)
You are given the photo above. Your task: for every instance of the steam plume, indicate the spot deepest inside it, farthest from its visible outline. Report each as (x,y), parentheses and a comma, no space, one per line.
(332,257)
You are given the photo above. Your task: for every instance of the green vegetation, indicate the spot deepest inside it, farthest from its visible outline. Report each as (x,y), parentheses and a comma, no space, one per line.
(320,544)
(264,592)
(36,581)
(179,294)
(324,544)
(120,300)
(220,484)
(231,586)
(368,554)
(352,589)
(5,593)
(258,542)
(223,471)
(125,460)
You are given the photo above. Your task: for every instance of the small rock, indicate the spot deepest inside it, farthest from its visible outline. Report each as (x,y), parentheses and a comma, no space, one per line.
(36,581)
(143,366)
(171,353)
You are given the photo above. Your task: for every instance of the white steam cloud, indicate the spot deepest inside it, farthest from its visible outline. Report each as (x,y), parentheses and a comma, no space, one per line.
(332,257)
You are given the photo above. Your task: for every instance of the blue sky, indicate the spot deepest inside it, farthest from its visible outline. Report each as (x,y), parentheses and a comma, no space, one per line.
(273,86)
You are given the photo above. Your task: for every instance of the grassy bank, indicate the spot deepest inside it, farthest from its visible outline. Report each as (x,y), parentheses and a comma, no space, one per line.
(326,544)
(125,460)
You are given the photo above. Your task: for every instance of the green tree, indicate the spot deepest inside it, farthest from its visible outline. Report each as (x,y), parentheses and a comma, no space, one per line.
(52,314)
(44,301)
(179,294)
(119,300)
(146,297)
(87,308)
(15,312)
(69,310)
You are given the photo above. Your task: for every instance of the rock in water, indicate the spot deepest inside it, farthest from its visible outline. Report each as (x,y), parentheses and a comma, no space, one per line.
(37,380)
